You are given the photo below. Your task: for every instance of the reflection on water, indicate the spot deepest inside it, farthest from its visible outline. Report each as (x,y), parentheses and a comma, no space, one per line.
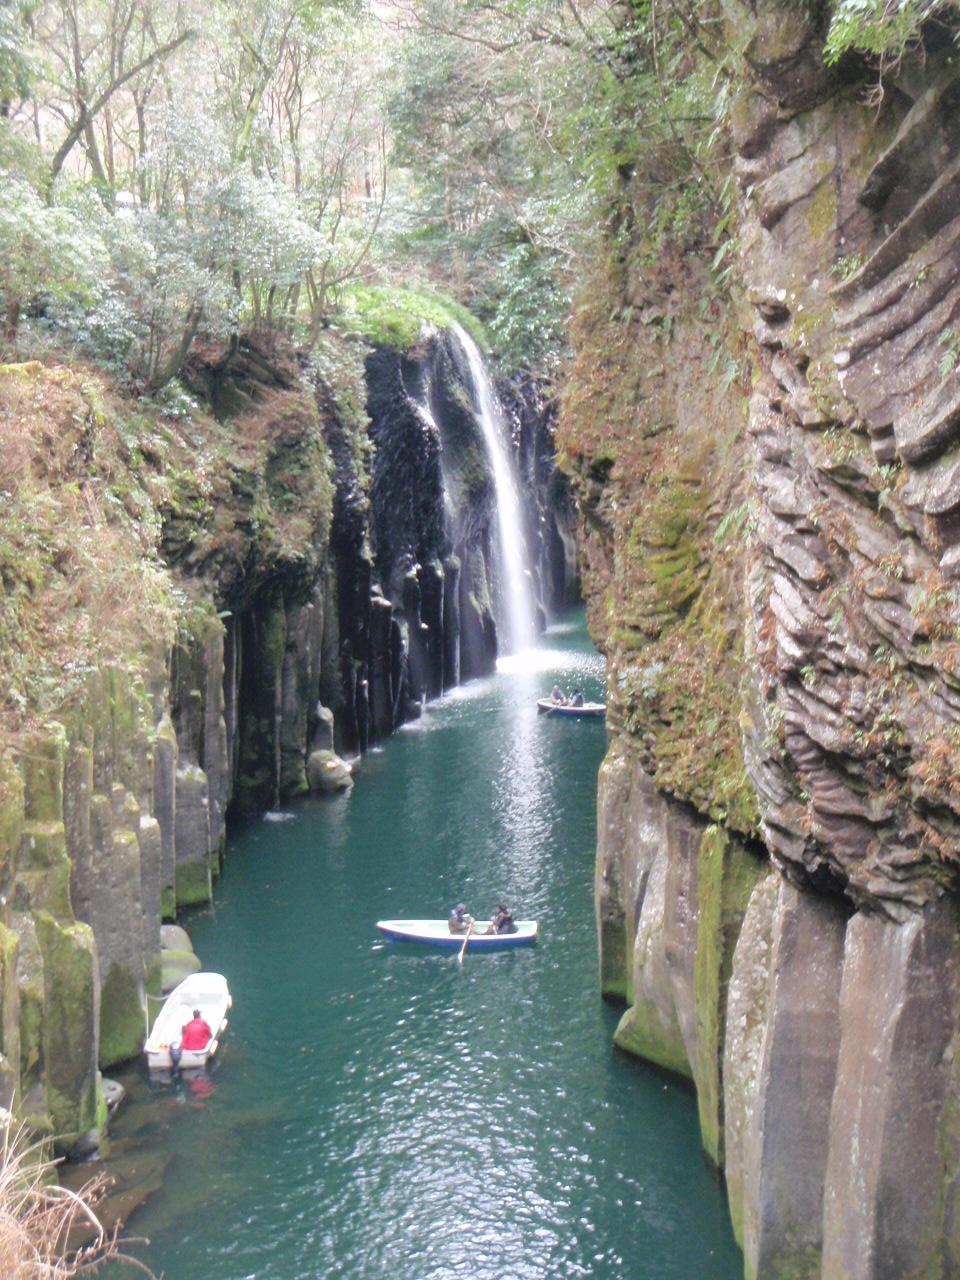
(385,1110)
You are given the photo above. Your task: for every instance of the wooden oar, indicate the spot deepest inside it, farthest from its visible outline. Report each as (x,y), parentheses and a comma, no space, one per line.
(465,941)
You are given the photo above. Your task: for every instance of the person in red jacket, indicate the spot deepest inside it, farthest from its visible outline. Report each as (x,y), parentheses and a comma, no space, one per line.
(196,1033)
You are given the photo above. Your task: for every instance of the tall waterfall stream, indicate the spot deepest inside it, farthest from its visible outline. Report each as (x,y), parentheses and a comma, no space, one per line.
(516,589)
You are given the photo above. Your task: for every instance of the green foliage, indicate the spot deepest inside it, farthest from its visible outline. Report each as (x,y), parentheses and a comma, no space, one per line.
(16,66)
(394,317)
(950,341)
(883,29)
(525,307)
(45,251)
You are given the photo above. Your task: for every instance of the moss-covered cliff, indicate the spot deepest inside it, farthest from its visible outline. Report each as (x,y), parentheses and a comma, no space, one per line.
(765,457)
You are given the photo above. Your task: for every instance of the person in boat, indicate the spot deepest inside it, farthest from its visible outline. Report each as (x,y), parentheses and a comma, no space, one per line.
(503,921)
(196,1033)
(577,699)
(558,696)
(460,919)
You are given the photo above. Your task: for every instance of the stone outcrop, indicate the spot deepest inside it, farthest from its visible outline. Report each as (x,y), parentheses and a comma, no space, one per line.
(771,569)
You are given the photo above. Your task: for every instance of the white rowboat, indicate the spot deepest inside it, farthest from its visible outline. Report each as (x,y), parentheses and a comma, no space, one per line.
(549,707)
(207,992)
(436,933)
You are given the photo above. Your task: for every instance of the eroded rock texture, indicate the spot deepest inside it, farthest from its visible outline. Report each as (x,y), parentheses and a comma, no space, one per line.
(812,992)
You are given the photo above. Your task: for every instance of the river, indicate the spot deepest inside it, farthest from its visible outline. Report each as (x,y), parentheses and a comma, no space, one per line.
(380,1110)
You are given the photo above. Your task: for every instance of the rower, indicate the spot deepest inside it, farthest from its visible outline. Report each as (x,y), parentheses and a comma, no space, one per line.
(459,919)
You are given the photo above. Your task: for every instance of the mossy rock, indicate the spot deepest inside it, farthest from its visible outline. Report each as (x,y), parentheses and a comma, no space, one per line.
(641,1032)
(122,1021)
(175,966)
(194,883)
(727,874)
(42,767)
(173,937)
(68,1027)
(326,772)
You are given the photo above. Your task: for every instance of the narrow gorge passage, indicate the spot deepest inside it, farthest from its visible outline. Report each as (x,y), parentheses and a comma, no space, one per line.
(382,1110)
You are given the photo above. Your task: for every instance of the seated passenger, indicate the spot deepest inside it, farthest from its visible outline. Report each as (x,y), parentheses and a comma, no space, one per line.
(503,921)
(459,919)
(196,1033)
(577,699)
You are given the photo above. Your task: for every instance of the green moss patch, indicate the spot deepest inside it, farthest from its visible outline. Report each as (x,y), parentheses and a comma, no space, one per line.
(726,875)
(194,883)
(69,1029)
(641,1031)
(121,1016)
(394,317)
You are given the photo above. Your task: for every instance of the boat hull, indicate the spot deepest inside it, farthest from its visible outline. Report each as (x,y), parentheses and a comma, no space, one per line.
(545,706)
(435,933)
(207,992)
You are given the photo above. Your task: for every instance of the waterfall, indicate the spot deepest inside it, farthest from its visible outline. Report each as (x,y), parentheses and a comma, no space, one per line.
(516,587)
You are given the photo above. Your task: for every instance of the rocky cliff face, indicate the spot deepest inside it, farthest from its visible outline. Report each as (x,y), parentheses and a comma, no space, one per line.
(772,571)
(183,598)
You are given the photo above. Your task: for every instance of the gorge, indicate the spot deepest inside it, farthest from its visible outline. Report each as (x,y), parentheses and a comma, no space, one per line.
(253,527)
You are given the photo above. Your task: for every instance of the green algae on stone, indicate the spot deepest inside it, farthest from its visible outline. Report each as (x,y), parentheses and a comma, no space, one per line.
(121,1016)
(69,1026)
(726,876)
(43,877)
(9,1017)
(175,965)
(641,1031)
(42,766)
(194,883)
(11,820)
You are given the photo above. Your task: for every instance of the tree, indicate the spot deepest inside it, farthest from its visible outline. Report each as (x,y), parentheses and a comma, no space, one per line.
(46,252)
(95,50)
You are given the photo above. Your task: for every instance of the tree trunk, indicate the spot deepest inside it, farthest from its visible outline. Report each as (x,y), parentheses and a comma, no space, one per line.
(11,321)
(174,363)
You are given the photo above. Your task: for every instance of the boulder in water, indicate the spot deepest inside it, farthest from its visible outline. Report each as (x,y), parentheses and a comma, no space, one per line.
(326,772)
(175,966)
(174,938)
(113,1094)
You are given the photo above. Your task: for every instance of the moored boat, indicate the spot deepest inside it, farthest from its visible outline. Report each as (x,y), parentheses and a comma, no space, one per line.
(207,992)
(436,933)
(549,707)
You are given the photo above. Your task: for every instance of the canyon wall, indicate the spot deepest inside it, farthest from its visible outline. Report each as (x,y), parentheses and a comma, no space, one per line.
(768,473)
(186,599)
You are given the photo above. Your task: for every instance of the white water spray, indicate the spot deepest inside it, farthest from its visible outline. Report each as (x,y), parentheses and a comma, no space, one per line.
(516,586)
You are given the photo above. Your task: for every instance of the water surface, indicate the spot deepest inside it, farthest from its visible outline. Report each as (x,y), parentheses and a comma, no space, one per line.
(381,1110)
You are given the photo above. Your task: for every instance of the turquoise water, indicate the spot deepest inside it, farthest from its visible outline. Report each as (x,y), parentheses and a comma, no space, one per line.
(381,1110)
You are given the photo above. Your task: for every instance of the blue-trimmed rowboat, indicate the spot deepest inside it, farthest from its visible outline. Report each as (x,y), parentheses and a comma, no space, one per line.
(436,933)
(547,706)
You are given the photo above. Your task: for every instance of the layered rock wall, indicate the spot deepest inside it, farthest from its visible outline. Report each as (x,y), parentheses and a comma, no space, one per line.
(776,883)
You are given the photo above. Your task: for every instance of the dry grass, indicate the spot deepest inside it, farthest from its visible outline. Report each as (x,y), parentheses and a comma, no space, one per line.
(39,1221)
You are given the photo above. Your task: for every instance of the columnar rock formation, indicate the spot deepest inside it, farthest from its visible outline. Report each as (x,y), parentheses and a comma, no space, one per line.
(772,570)
(309,559)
